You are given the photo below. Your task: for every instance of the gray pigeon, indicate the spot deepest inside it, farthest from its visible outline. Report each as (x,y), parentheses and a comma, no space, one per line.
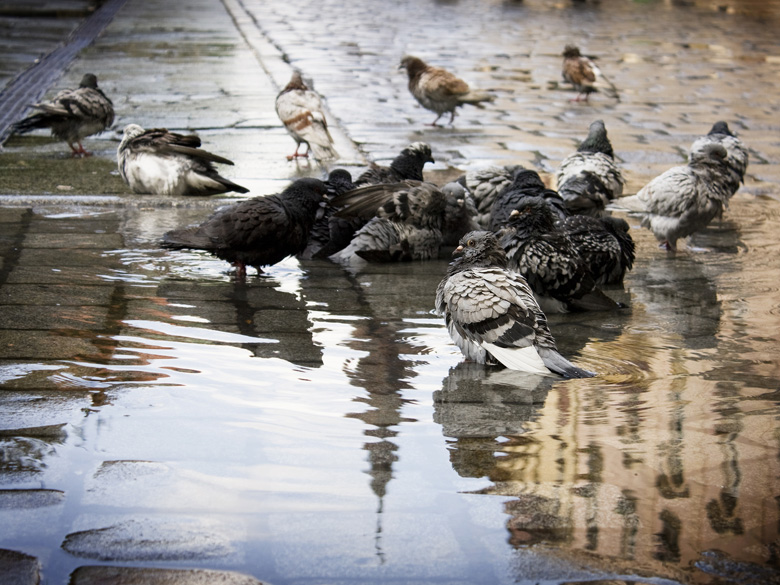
(484,185)
(257,232)
(491,314)
(684,199)
(160,162)
(438,90)
(405,220)
(737,153)
(408,165)
(300,110)
(460,214)
(589,179)
(73,114)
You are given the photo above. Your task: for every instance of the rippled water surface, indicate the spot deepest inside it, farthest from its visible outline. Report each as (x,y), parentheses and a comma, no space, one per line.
(316,424)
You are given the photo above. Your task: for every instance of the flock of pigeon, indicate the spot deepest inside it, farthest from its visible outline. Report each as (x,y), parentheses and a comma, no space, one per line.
(521,249)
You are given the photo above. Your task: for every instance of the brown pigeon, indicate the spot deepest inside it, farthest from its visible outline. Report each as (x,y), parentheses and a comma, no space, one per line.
(439,90)
(584,75)
(300,110)
(73,114)
(257,232)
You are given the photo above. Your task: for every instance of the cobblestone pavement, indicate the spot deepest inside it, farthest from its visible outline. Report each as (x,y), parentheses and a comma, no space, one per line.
(215,68)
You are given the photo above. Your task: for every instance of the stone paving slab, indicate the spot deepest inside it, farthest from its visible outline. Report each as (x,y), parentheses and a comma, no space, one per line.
(94,575)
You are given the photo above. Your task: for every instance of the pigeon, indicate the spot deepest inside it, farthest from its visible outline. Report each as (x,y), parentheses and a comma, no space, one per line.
(408,165)
(160,162)
(584,75)
(405,222)
(491,314)
(256,232)
(331,233)
(484,185)
(73,114)
(438,90)
(544,254)
(589,179)
(737,153)
(684,199)
(300,110)
(460,214)
(605,245)
(525,183)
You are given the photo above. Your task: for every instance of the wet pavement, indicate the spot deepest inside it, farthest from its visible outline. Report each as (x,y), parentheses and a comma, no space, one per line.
(160,422)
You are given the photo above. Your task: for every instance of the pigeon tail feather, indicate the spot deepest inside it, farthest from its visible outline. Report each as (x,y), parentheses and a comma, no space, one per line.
(524,359)
(555,362)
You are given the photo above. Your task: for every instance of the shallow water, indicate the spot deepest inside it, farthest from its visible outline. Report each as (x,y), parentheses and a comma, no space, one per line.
(316,425)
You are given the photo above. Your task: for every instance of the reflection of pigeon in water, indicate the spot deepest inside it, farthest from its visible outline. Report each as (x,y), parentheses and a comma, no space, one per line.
(584,75)
(73,114)
(737,153)
(589,179)
(408,165)
(438,90)
(684,199)
(300,110)
(165,163)
(484,185)
(604,244)
(257,232)
(491,313)
(406,220)
(526,183)
(543,253)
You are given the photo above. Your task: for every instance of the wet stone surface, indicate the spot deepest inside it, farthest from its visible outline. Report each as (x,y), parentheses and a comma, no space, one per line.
(162,423)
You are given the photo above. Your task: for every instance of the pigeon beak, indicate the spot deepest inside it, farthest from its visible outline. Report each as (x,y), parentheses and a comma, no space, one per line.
(457,250)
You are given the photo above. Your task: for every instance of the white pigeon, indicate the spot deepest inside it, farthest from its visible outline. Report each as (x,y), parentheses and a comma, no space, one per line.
(160,162)
(300,110)
(491,314)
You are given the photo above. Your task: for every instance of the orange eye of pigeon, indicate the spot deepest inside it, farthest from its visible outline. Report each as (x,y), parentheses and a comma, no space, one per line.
(470,243)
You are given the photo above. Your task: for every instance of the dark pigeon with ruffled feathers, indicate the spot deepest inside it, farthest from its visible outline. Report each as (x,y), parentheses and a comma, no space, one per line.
(526,183)
(545,255)
(331,233)
(257,232)
(684,199)
(73,114)
(491,313)
(605,245)
(737,153)
(589,179)
(405,221)
(408,165)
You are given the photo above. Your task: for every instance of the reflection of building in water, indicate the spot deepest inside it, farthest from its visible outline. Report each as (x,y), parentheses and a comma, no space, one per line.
(668,470)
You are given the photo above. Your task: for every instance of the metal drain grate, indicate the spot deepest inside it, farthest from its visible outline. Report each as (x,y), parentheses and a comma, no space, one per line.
(29,86)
